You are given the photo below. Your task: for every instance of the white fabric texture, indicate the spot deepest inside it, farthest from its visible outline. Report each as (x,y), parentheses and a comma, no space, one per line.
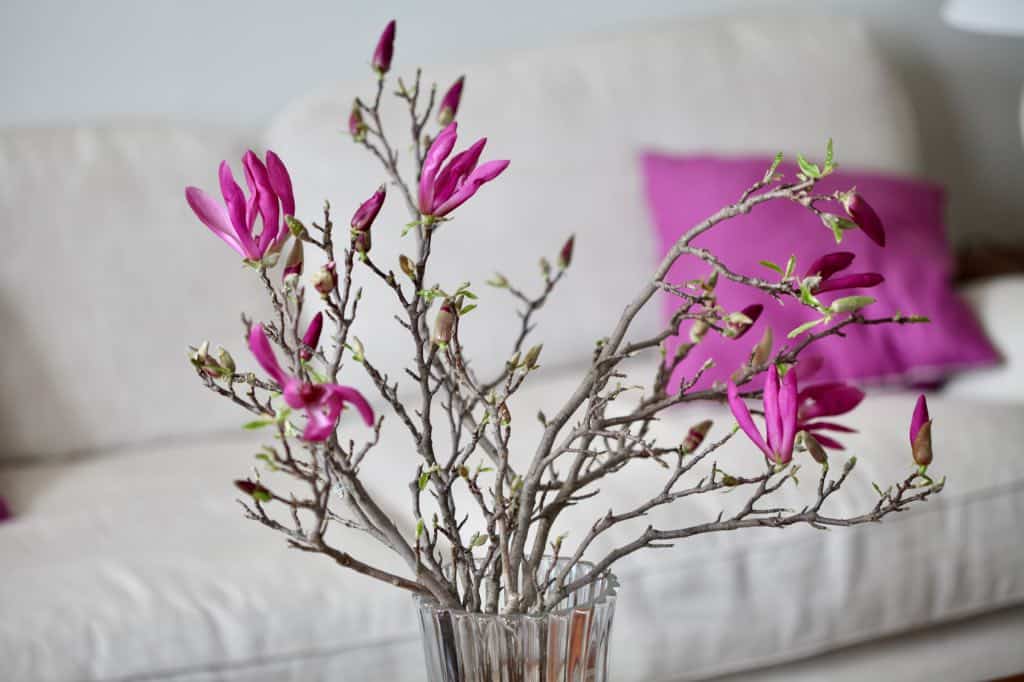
(572,119)
(138,565)
(107,278)
(997,303)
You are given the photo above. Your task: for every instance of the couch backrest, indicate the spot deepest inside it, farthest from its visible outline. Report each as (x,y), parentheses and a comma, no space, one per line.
(108,276)
(572,118)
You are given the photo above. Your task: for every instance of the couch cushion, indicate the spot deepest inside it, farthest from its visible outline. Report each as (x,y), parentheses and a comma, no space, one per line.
(139,565)
(572,119)
(108,277)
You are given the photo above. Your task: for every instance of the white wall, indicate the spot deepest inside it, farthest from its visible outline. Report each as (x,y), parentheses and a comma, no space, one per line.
(236,62)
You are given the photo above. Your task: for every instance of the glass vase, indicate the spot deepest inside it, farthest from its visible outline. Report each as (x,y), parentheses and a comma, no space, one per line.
(569,644)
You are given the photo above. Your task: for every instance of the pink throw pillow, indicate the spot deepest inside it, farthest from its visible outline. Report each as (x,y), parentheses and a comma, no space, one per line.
(916,263)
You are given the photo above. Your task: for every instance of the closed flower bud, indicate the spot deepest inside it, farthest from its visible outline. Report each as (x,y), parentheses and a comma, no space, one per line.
(293,266)
(368,210)
(532,355)
(324,279)
(504,416)
(450,102)
(739,324)
(695,436)
(408,267)
(698,330)
(865,217)
(565,255)
(444,324)
(255,490)
(226,361)
(312,336)
(361,241)
(711,282)
(356,125)
(385,49)
(922,448)
(763,350)
(545,267)
(813,447)
(513,361)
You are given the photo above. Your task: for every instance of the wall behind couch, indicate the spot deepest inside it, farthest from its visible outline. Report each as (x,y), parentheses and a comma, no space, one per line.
(236,62)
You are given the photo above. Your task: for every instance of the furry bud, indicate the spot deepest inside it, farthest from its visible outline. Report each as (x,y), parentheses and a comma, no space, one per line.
(408,267)
(324,279)
(444,324)
(695,436)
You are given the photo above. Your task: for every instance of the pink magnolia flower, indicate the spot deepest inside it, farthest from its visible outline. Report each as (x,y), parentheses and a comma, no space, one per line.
(751,312)
(270,197)
(921,433)
(312,336)
(780,413)
(867,220)
(322,402)
(442,190)
(385,49)
(826,400)
(831,263)
(450,102)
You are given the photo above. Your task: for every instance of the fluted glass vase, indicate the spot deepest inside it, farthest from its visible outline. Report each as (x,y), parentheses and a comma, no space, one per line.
(570,644)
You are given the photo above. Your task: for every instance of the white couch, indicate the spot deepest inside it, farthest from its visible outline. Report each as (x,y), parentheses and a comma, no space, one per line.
(128,558)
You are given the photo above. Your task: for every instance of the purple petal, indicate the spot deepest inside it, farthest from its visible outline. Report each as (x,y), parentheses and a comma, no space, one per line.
(826,426)
(438,152)
(919,418)
(753,312)
(455,173)
(828,400)
(320,421)
(259,181)
(787,413)
(828,442)
(312,336)
(861,280)
(236,206)
(214,215)
(866,218)
(264,354)
(350,395)
(450,102)
(281,182)
(479,177)
(829,264)
(772,416)
(742,415)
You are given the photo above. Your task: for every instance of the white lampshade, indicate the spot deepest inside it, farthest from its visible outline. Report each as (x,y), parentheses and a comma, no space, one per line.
(1003,17)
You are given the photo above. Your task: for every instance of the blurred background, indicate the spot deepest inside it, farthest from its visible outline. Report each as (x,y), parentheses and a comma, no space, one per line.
(123,554)
(236,64)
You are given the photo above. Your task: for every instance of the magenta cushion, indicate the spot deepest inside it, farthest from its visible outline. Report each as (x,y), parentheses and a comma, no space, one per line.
(916,263)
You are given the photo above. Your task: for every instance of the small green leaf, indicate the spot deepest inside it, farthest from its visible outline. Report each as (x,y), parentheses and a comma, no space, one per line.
(829,157)
(424,479)
(770,265)
(850,304)
(809,169)
(467,309)
(804,327)
(420,527)
(477,540)
(467,293)
(790,266)
(771,169)
(257,424)
(261,495)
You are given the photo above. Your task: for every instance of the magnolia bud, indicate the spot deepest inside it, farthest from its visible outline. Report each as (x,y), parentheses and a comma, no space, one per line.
(813,447)
(408,267)
(444,324)
(225,360)
(545,267)
(532,355)
(711,282)
(255,490)
(361,241)
(450,102)
(356,125)
(740,323)
(565,255)
(513,361)
(385,49)
(698,331)
(312,336)
(293,266)
(368,210)
(763,350)
(504,416)
(865,217)
(695,436)
(922,448)
(324,280)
